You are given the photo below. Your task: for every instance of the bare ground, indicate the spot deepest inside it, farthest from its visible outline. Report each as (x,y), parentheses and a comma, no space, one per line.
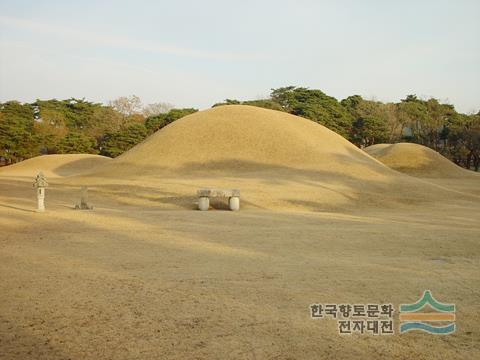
(145,282)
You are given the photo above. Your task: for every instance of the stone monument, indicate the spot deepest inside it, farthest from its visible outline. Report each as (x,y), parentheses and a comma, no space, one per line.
(40,185)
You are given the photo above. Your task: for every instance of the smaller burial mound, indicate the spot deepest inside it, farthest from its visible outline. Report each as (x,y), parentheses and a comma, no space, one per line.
(416,160)
(58,165)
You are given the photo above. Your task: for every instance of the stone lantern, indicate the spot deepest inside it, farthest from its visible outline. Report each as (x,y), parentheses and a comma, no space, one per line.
(40,185)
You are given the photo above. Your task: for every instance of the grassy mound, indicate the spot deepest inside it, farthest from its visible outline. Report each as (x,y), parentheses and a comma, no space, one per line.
(416,160)
(55,165)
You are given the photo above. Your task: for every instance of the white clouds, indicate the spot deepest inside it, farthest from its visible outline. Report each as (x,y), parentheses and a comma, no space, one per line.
(111,40)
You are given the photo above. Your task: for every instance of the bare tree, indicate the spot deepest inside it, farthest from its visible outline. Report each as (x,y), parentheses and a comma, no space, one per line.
(127,105)
(156,109)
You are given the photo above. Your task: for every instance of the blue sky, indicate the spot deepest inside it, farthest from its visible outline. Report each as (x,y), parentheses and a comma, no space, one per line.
(196,53)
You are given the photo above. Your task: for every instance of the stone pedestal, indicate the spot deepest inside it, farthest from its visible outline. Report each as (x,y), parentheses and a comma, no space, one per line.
(40,199)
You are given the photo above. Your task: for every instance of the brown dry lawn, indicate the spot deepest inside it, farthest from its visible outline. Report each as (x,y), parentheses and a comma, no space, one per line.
(129,281)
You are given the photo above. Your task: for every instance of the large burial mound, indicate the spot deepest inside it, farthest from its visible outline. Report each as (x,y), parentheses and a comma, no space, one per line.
(239,138)
(55,165)
(277,160)
(416,160)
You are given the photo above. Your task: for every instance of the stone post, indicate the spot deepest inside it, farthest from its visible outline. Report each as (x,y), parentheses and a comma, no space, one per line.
(84,200)
(40,185)
(203,203)
(234,203)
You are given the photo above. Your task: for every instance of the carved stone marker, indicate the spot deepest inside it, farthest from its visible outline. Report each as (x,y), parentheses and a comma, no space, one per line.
(204,196)
(40,184)
(84,200)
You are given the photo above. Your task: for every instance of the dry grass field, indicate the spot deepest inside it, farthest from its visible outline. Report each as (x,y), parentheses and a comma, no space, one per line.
(144,276)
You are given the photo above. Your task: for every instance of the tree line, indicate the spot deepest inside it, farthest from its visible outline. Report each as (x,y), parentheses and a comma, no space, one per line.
(367,122)
(80,126)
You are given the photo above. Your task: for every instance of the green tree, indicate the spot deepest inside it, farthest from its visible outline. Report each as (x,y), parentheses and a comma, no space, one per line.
(437,119)
(412,113)
(228,102)
(49,130)
(425,119)
(114,144)
(104,119)
(16,131)
(77,113)
(368,130)
(463,140)
(263,103)
(314,105)
(370,122)
(77,143)
(155,123)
